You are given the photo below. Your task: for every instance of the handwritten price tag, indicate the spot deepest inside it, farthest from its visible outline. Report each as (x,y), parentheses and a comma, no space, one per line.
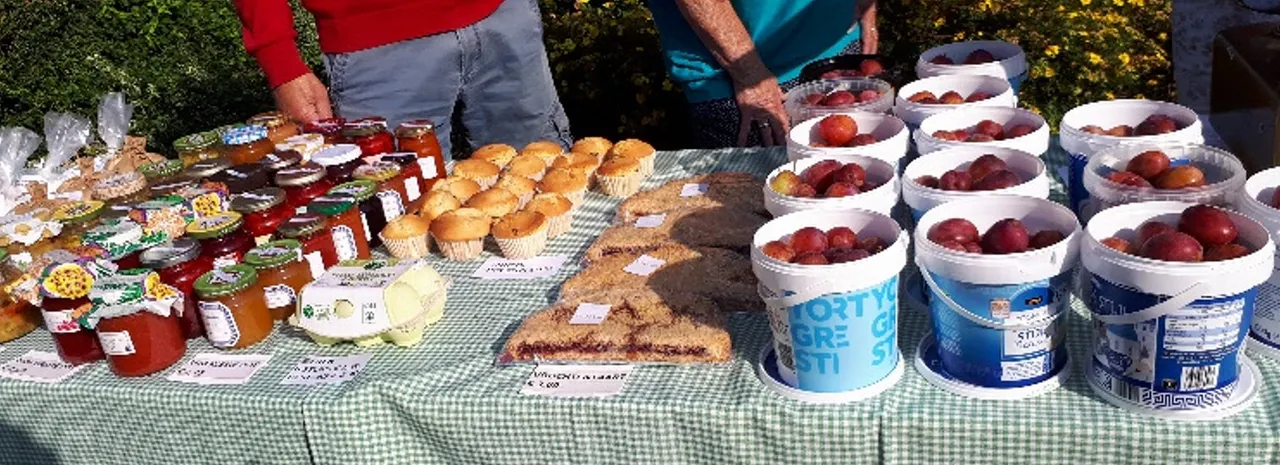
(533,268)
(219,369)
(576,380)
(693,190)
(589,314)
(644,265)
(40,367)
(651,221)
(326,370)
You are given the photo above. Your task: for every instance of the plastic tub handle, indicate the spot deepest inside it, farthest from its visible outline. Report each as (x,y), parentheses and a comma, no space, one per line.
(978,320)
(1155,311)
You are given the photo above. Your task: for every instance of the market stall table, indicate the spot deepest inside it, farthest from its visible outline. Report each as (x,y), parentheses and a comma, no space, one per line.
(447,402)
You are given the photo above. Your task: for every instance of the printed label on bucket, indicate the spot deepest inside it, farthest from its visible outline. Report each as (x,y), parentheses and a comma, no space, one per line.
(1266,311)
(843,342)
(992,357)
(1183,360)
(1076,192)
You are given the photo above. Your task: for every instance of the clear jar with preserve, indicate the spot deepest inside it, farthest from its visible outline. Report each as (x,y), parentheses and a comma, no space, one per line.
(264,211)
(64,292)
(371,135)
(198,147)
(391,191)
(411,175)
(136,318)
(179,264)
(233,308)
(312,233)
(372,216)
(245,144)
(330,128)
(344,224)
(222,238)
(302,184)
(339,162)
(282,272)
(279,127)
(419,137)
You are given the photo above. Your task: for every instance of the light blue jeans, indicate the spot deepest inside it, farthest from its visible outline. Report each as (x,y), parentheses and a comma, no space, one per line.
(495,71)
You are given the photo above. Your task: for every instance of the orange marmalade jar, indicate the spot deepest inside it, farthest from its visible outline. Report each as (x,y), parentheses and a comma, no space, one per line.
(279,127)
(282,273)
(419,136)
(234,307)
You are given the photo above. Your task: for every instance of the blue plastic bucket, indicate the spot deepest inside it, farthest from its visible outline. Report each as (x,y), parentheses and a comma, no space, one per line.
(1255,201)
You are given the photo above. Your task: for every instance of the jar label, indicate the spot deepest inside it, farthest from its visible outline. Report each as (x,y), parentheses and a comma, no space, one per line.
(61,322)
(391,205)
(428,165)
(226,260)
(117,343)
(411,188)
(279,296)
(344,240)
(263,239)
(316,262)
(219,325)
(364,221)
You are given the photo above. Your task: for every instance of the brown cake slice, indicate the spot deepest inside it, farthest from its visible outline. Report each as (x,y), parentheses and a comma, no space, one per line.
(739,191)
(722,275)
(718,227)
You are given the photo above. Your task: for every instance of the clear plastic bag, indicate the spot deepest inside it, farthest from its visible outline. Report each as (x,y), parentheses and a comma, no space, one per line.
(65,134)
(16,146)
(114,117)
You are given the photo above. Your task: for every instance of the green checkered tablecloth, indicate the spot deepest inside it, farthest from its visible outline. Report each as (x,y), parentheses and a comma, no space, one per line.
(445,402)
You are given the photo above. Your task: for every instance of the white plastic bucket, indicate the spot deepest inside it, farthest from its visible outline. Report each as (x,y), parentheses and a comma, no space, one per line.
(880,200)
(997,317)
(922,199)
(1167,335)
(891,132)
(798,110)
(1107,114)
(1036,143)
(1255,202)
(1223,174)
(915,113)
(1010,64)
(834,326)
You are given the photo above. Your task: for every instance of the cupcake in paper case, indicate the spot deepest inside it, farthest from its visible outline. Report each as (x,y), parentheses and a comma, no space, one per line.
(460,188)
(620,177)
(521,235)
(637,149)
(597,146)
(406,237)
(482,172)
(436,203)
(546,150)
(571,184)
(494,202)
(498,154)
(557,209)
(522,188)
(582,162)
(527,166)
(460,233)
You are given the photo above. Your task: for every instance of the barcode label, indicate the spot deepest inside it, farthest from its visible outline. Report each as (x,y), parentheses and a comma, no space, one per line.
(1199,378)
(1126,391)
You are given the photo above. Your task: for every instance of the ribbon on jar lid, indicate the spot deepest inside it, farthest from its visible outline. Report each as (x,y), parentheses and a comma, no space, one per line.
(128,292)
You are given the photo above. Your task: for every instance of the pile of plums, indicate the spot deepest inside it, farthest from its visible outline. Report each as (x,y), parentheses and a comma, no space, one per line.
(951,97)
(839,131)
(976,57)
(812,246)
(1007,236)
(1152,126)
(839,98)
(986,173)
(1153,169)
(985,131)
(868,67)
(824,180)
(1203,234)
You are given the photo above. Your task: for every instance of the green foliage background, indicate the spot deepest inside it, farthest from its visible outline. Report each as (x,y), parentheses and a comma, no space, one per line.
(181,62)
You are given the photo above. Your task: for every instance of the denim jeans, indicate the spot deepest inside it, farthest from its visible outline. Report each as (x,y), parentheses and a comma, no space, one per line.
(494,71)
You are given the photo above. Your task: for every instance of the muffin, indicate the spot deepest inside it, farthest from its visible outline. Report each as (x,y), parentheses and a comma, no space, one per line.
(527,166)
(461,188)
(546,150)
(521,234)
(460,233)
(582,162)
(494,202)
(437,203)
(498,154)
(480,171)
(522,187)
(406,237)
(569,183)
(620,177)
(557,209)
(597,146)
(637,149)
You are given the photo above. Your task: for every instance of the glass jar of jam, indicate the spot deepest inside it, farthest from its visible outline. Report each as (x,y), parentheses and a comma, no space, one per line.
(161,171)
(279,127)
(390,186)
(179,264)
(330,128)
(264,210)
(233,307)
(197,147)
(302,184)
(371,135)
(339,162)
(282,273)
(372,217)
(410,175)
(122,241)
(64,290)
(222,238)
(138,339)
(278,160)
(125,187)
(419,137)
(205,169)
(312,233)
(246,144)
(242,178)
(344,224)
(77,218)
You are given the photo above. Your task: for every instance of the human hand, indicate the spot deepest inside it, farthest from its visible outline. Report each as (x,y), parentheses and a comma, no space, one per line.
(870,36)
(304,99)
(760,104)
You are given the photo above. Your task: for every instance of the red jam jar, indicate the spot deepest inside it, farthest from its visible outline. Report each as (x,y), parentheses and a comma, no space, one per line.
(312,232)
(411,174)
(302,184)
(371,135)
(179,264)
(391,186)
(222,238)
(346,224)
(339,162)
(137,341)
(64,289)
(373,217)
(264,210)
(419,137)
(330,128)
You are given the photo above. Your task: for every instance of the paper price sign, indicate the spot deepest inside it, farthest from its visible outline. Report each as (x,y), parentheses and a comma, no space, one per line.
(651,221)
(693,190)
(219,369)
(589,314)
(644,265)
(533,268)
(326,370)
(40,367)
(576,380)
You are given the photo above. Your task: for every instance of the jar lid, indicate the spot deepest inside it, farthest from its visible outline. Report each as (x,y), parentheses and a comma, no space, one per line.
(161,169)
(332,204)
(360,131)
(78,212)
(197,141)
(119,185)
(415,128)
(257,200)
(302,224)
(116,211)
(270,119)
(274,254)
(244,134)
(205,168)
(242,178)
(336,155)
(226,280)
(281,159)
(325,126)
(172,186)
(372,121)
(362,190)
(401,158)
(215,226)
(377,171)
(170,253)
(300,175)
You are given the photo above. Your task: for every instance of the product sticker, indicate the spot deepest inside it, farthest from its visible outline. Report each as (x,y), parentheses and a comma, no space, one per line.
(391,205)
(344,240)
(219,326)
(40,367)
(577,380)
(116,343)
(411,188)
(316,262)
(428,165)
(61,322)
(693,190)
(589,314)
(279,296)
(651,221)
(644,265)
(219,369)
(326,370)
(364,221)
(532,268)
(226,260)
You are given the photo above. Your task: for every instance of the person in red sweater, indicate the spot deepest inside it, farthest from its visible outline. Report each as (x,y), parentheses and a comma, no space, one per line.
(415,59)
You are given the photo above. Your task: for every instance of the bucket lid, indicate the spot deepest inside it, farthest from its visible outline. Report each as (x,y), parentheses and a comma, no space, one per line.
(1244,395)
(929,365)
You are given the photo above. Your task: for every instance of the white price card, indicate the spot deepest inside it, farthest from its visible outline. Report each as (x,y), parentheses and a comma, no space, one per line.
(326,370)
(533,268)
(693,190)
(219,369)
(40,367)
(576,380)
(651,221)
(644,265)
(589,314)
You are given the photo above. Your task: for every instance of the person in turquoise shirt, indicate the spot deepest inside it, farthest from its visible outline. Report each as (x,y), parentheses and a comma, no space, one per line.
(736,58)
